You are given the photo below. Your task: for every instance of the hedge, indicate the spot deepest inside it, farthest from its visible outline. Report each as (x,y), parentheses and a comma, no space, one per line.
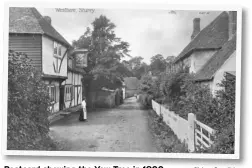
(28,102)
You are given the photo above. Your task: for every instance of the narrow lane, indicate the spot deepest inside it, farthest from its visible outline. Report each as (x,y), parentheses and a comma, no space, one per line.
(122,129)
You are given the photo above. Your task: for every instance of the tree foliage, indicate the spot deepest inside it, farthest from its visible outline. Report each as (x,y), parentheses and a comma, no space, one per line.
(183,95)
(105,49)
(158,64)
(217,112)
(28,102)
(136,66)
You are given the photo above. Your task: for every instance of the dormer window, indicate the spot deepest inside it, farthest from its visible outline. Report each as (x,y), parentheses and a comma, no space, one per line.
(57,49)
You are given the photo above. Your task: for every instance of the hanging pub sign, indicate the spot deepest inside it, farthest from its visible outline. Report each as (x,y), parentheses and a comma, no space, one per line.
(81,57)
(81,60)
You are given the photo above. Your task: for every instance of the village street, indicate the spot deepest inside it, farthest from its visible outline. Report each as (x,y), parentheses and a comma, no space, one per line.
(121,129)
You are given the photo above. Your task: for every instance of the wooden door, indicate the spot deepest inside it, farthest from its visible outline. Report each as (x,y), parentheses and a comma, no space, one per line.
(62,101)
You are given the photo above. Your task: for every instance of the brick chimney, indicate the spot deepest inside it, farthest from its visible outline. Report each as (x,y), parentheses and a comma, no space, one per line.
(232,19)
(48,19)
(196,27)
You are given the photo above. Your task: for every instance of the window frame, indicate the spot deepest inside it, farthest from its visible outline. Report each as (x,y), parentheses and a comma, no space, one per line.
(52,93)
(57,49)
(68,96)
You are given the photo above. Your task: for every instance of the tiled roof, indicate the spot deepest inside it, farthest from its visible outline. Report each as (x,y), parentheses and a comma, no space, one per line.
(212,36)
(217,60)
(29,20)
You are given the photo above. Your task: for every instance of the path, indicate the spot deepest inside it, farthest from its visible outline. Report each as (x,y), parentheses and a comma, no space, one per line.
(122,129)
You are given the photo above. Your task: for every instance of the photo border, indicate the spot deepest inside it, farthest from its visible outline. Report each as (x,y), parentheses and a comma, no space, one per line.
(134,6)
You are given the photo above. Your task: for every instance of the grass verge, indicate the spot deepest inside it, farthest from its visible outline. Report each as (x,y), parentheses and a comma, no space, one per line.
(164,138)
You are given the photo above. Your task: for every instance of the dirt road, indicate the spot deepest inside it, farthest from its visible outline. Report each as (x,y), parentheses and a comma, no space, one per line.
(122,129)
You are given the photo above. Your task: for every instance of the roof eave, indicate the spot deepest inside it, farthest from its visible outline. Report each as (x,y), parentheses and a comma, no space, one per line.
(203,79)
(195,49)
(66,44)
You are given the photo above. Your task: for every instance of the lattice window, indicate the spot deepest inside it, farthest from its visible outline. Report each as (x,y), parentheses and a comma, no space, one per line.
(68,92)
(52,93)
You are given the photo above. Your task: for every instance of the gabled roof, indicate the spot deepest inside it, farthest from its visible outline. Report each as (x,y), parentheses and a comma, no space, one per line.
(29,20)
(212,36)
(217,60)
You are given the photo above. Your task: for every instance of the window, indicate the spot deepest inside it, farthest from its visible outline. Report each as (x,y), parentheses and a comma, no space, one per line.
(57,52)
(52,93)
(57,49)
(68,92)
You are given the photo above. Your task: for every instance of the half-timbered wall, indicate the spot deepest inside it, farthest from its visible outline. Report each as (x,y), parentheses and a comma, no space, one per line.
(73,81)
(51,63)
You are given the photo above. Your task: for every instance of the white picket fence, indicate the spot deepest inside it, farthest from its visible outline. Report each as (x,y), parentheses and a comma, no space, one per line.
(192,132)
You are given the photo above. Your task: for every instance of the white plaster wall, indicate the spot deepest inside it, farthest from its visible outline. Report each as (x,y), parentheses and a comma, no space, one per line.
(199,59)
(187,62)
(229,65)
(48,59)
(67,104)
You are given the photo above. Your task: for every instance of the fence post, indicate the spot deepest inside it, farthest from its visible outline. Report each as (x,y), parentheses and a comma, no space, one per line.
(191,135)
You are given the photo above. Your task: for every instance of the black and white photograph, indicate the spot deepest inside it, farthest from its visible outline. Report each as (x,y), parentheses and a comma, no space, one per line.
(115,82)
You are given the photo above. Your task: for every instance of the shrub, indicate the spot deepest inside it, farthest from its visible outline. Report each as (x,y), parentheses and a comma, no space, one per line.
(217,112)
(145,100)
(226,117)
(180,92)
(198,100)
(146,84)
(28,101)
(171,88)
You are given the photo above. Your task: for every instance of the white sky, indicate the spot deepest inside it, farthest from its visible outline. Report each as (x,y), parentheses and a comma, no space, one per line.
(149,32)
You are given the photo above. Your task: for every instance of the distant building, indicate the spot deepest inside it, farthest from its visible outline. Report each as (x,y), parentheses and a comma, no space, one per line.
(211,51)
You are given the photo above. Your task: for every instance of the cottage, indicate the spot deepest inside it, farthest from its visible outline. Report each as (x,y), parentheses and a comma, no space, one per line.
(33,34)
(211,51)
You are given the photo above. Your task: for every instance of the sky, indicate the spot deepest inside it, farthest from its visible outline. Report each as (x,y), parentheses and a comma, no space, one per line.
(149,32)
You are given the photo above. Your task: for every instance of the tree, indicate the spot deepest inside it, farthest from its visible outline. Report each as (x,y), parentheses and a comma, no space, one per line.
(169,59)
(158,64)
(105,49)
(137,67)
(143,69)
(84,41)
(135,62)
